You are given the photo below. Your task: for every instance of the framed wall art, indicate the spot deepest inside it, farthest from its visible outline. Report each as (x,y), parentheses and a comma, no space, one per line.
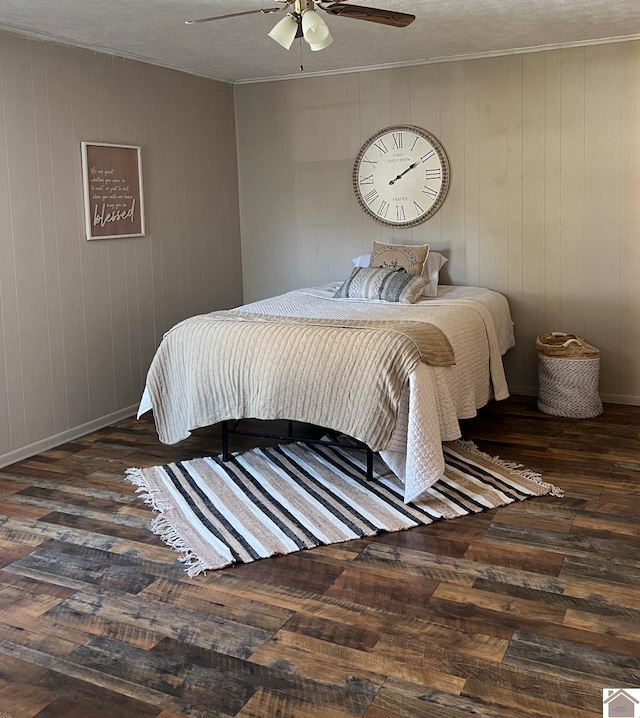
(112,182)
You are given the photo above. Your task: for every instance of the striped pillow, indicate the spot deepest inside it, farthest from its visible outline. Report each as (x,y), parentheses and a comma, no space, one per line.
(380,283)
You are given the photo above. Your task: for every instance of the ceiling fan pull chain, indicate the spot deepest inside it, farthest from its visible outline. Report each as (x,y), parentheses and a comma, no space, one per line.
(301,67)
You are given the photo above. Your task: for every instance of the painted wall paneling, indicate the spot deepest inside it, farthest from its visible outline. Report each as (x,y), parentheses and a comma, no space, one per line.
(542,206)
(630,223)
(79,320)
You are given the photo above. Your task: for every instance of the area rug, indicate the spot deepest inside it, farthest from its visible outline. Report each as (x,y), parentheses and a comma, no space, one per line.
(296,496)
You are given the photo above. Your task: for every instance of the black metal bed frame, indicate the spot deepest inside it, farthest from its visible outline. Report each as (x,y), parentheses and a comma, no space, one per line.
(234,431)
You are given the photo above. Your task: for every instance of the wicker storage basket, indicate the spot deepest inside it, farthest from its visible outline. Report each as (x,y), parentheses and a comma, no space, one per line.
(568,376)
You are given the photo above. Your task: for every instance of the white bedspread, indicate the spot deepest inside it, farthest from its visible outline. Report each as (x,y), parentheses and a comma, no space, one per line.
(478,324)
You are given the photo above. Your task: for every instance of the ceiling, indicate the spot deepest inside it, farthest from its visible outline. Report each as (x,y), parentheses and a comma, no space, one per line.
(238,49)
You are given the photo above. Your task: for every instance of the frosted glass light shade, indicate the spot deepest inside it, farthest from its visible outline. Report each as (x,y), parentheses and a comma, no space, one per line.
(314,28)
(315,46)
(284,32)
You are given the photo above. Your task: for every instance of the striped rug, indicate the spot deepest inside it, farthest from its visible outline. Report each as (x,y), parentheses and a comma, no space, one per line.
(296,496)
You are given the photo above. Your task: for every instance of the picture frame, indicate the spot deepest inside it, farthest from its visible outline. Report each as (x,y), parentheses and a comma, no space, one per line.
(112,186)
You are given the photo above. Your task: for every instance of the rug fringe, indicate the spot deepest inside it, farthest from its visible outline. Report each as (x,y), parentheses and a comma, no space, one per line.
(514,466)
(161,526)
(136,477)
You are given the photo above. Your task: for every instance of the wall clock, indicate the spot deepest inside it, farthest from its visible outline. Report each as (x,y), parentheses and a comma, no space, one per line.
(401,176)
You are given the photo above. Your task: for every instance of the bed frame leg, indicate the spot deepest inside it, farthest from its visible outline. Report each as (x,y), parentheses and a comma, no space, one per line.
(369,464)
(225,441)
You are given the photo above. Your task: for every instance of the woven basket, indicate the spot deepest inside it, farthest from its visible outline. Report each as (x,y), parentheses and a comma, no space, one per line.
(568,376)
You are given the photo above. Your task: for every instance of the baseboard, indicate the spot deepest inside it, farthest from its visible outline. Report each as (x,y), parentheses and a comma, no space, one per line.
(607,398)
(621,399)
(69,435)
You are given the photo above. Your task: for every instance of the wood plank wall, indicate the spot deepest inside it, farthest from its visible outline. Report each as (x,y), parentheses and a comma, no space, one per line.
(543,205)
(79,320)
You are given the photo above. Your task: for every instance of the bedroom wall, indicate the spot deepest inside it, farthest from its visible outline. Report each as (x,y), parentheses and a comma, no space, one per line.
(80,320)
(544,200)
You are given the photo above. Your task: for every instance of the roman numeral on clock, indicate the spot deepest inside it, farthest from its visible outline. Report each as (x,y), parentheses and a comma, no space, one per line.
(371,196)
(435,173)
(400,213)
(383,209)
(397,140)
(381,146)
(366,180)
(428,156)
(432,193)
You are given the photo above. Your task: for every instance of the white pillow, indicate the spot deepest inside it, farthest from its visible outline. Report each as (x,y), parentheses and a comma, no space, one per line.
(435,262)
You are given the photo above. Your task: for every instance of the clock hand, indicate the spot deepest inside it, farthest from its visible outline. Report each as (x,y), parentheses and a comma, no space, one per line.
(410,167)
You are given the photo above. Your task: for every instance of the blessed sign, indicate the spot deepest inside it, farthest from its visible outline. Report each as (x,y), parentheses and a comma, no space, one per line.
(112,177)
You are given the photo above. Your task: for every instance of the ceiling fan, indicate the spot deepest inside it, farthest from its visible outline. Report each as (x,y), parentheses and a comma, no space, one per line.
(303,21)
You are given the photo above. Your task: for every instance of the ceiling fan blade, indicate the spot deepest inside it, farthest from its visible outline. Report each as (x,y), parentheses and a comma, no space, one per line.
(264,11)
(370,14)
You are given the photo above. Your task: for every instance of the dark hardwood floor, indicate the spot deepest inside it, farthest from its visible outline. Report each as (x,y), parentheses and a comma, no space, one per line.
(527,610)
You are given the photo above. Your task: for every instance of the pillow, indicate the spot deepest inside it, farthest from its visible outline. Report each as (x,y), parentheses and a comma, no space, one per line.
(379,283)
(433,265)
(435,262)
(394,256)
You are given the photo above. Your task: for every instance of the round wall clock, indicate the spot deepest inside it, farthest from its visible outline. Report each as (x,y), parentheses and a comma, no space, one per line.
(401,176)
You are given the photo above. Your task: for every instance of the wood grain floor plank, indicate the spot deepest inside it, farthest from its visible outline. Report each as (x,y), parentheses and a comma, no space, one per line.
(625,627)
(385,591)
(292,571)
(593,566)
(572,659)
(205,601)
(21,700)
(266,703)
(212,632)
(315,668)
(422,538)
(83,684)
(515,557)
(72,709)
(399,698)
(602,592)
(571,544)
(454,571)
(421,672)
(574,693)
(37,637)
(208,673)
(526,705)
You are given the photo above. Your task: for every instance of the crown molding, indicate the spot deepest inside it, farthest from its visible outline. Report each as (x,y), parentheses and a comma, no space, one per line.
(444,58)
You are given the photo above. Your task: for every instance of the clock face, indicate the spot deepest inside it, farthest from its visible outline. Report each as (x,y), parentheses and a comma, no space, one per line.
(401,176)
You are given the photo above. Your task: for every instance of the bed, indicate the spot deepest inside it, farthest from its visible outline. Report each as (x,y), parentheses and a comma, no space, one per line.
(476,322)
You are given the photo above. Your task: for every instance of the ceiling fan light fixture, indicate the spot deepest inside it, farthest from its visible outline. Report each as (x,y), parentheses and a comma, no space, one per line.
(315,46)
(284,32)
(314,28)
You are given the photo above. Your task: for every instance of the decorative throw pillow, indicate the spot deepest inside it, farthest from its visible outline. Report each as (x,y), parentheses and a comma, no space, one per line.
(376,283)
(394,256)
(433,265)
